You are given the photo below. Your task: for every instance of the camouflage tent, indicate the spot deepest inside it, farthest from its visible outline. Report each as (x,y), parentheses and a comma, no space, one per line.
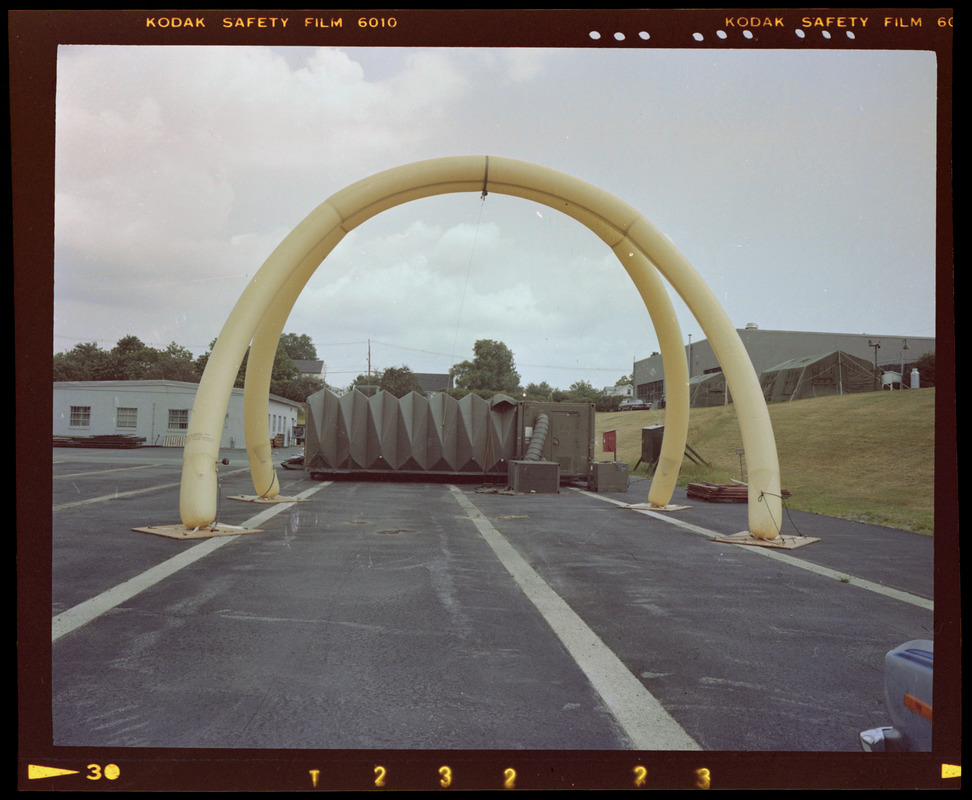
(357,433)
(817,376)
(709,390)
(374,432)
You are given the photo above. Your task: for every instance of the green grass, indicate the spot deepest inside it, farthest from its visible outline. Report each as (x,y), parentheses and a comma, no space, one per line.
(867,457)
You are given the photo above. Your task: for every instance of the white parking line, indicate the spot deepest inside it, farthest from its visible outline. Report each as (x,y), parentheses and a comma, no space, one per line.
(648,725)
(105,471)
(117,495)
(85,612)
(843,577)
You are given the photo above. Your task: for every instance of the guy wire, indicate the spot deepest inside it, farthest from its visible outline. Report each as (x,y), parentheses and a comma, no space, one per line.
(465,286)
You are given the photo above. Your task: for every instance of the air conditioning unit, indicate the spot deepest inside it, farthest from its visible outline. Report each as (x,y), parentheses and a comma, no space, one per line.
(608,476)
(534,476)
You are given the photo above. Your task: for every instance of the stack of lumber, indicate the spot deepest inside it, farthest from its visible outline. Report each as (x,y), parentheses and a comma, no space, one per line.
(114,441)
(723,492)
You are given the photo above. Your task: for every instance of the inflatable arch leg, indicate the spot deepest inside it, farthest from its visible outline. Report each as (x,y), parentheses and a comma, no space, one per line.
(256,390)
(652,290)
(617,224)
(198,490)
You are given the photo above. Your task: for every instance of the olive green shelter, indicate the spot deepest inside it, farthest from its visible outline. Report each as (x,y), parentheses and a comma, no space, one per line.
(438,435)
(819,376)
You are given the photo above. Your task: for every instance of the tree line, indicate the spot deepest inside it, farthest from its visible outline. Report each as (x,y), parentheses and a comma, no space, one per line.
(491,371)
(133,360)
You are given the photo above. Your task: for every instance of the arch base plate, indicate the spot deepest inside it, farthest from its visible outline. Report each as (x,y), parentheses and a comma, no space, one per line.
(255,498)
(205,532)
(650,507)
(780,542)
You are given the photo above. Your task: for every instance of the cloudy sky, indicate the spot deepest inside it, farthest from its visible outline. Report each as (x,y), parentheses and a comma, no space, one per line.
(800,184)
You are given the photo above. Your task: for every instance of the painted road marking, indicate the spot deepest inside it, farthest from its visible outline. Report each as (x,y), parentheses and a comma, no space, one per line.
(118,495)
(105,471)
(85,612)
(648,725)
(877,588)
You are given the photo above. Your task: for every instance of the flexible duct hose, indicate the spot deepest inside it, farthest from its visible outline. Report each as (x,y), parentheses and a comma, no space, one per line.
(538,439)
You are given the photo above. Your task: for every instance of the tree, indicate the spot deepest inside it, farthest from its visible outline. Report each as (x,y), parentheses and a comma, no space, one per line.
(203,359)
(128,345)
(926,369)
(297,389)
(491,369)
(175,363)
(607,402)
(284,368)
(582,392)
(399,381)
(372,379)
(539,391)
(129,360)
(298,346)
(83,362)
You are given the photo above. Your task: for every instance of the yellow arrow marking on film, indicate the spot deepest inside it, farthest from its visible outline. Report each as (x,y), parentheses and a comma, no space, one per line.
(34,771)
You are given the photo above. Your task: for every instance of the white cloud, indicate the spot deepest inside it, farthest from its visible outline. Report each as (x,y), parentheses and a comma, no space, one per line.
(180,169)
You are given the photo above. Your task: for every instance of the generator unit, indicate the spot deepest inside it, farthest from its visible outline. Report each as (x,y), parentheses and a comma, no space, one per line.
(561,433)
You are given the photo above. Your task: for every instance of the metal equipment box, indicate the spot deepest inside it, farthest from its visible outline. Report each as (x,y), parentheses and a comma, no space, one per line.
(534,476)
(608,476)
(651,442)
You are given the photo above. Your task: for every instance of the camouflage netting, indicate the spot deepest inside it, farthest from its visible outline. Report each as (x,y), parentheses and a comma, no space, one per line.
(355,433)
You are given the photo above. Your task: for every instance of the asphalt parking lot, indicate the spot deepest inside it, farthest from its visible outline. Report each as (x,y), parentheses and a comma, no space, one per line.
(375,615)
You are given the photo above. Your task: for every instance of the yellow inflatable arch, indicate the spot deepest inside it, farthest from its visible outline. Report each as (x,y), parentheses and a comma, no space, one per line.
(258,318)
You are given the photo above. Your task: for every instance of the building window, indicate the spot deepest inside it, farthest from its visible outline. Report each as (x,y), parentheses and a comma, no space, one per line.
(80,416)
(178,419)
(127,418)
(651,392)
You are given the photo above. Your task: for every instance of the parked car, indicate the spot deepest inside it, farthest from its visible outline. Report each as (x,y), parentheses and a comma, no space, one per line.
(633,404)
(908,671)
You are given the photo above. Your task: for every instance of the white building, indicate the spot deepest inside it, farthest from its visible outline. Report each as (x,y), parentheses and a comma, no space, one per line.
(624,390)
(156,411)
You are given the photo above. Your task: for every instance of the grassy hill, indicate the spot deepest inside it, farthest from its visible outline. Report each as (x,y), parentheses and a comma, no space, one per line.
(867,457)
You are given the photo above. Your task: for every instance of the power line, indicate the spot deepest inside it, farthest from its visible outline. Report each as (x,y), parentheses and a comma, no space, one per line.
(531,366)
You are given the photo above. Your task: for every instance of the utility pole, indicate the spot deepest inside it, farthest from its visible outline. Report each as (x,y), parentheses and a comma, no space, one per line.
(904,346)
(369,359)
(876,346)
